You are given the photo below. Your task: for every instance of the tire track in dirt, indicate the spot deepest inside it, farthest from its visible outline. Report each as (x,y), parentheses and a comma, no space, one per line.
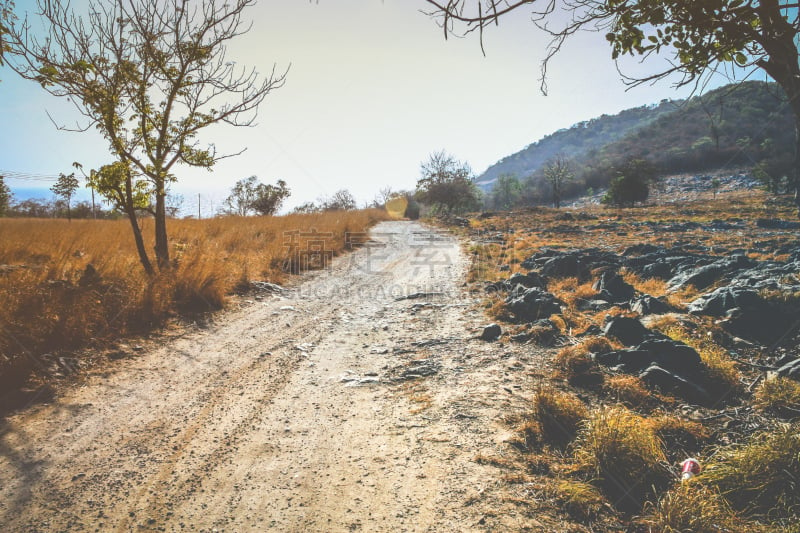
(337,407)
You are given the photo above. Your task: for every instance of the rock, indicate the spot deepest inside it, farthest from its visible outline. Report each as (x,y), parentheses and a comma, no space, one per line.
(641,249)
(628,331)
(594,305)
(776,223)
(659,270)
(529,281)
(647,305)
(629,360)
(533,304)
(613,288)
(491,332)
(672,355)
(670,383)
(703,276)
(790,370)
(564,266)
(746,313)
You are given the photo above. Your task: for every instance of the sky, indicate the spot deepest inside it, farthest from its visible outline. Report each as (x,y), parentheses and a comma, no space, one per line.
(373,89)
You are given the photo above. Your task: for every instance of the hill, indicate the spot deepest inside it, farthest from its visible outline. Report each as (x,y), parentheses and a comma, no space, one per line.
(739,125)
(576,141)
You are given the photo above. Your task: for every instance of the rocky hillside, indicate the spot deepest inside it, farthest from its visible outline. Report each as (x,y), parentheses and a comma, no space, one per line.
(576,141)
(740,125)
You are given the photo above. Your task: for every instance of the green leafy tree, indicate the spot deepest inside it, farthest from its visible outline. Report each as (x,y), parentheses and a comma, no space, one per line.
(270,198)
(150,75)
(341,200)
(506,193)
(698,37)
(631,183)
(447,184)
(65,188)
(558,173)
(5,197)
(243,194)
(128,193)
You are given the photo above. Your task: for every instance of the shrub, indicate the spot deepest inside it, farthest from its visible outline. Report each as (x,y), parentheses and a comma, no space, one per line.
(629,390)
(577,366)
(760,477)
(692,507)
(624,454)
(780,395)
(578,498)
(555,417)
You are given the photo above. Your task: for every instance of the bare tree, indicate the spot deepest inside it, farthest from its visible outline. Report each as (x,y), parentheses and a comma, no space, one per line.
(557,172)
(150,75)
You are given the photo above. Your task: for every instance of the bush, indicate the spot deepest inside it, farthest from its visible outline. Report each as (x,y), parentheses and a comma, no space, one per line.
(760,477)
(780,395)
(555,417)
(692,507)
(624,454)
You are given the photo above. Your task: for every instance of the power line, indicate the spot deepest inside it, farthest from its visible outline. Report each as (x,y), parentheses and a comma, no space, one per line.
(26,176)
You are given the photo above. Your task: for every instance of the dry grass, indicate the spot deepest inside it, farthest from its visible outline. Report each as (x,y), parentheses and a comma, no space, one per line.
(721,369)
(761,477)
(629,390)
(580,499)
(624,454)
(653,286)
(554,418)
(779,395)
(571,291)
(680,437)
(693,507)
(577,367)
(46,305)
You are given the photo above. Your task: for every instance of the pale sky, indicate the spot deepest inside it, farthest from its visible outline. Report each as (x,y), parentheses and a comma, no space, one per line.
(373,89)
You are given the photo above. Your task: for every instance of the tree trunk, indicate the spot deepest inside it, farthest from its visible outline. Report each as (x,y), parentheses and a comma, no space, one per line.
(130,210)
(137,237)
(162,246)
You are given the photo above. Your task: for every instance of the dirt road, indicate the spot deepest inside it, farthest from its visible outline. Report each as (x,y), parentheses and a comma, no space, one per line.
(359,399)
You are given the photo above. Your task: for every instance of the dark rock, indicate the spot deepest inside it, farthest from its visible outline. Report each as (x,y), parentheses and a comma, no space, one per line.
(641,249)
(565,266)
(594,305)
(533,304)
(630,360)
(722,300)
(628,331)
(672,355)
(790,370)
(647,305)
(529,281)
(658,270)
(776,223)
(491,332)
(613,288)
(671,383)
(703,276)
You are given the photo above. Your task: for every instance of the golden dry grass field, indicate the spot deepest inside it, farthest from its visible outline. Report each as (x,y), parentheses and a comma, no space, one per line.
(50,303)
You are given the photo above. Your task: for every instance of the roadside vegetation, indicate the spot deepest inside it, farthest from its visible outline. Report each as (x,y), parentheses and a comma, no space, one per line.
(600,449)
(66,286)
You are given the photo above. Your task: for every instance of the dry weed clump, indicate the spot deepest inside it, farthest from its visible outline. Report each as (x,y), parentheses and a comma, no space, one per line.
(721,369)
(67,284)
(577,366)
(680,437)
(629,390)
(554,418)
(580,499)
(779,395)
(690,506)
(762,476)
(624,454)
